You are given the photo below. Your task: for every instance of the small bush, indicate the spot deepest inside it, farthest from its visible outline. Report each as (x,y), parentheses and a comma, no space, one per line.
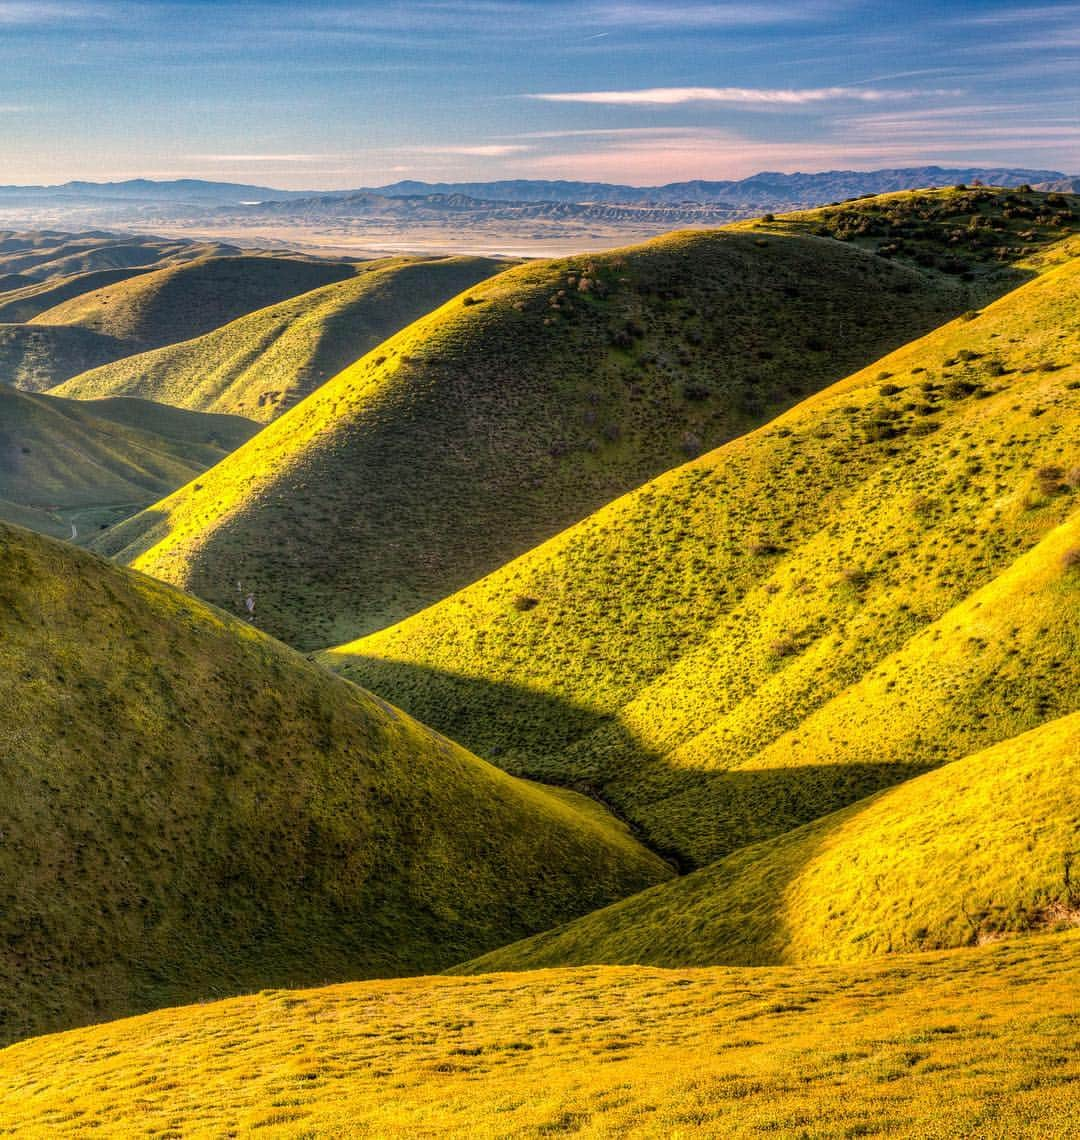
(1050,479)
(784,646)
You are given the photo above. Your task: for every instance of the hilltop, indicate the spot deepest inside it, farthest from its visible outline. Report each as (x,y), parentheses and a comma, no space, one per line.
(264,363)
(182,301)
(982,1043)
(675,652)
(518,408)
(65,461)
(192,810)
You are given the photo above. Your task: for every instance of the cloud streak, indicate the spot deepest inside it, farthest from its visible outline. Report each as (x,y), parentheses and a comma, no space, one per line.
(740,96)
(24,14)
(264,157)
(484,150)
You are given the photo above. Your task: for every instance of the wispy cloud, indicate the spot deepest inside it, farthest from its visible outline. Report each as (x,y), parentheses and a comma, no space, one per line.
(484,150)
(631,14)
(263,157)
(1022,14)
(744,96)
(23,13)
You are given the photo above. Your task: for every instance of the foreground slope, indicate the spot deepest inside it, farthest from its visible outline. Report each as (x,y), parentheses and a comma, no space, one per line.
(985,845)
(64,455)
(190,810)
(183,301)
(977,1043)
(672,651)
(515,410)
(262,364)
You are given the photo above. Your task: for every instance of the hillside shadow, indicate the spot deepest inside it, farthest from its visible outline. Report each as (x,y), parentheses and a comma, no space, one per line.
(690,816)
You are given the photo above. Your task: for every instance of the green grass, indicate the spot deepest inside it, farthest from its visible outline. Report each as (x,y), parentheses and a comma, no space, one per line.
(980,848)
(957,1044)
(192,810)
(183,301)
(684,653)
(516,409)
(58,455)
(264,363)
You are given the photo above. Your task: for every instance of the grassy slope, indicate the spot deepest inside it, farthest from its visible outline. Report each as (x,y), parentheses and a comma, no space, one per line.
(37,357)
(66,453)
(981,235)
(265,362)
(488,426)
(960,855)
(27,302)
(52,256)
(658,651)
(980,1043)
(184,301)
(190,810)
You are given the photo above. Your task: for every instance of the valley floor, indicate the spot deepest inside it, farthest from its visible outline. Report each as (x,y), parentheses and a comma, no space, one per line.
(978,1042)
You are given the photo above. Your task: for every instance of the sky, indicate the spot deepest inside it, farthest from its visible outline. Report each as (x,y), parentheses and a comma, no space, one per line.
(329,94)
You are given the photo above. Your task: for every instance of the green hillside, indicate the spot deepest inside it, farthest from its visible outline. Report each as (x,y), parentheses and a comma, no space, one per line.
(183,301)
(35,297)
(192,810)
(11,281)
(677,652)
(264,363)
(963,855)
(37,357)
(44,255)
(66,460)
(516,409)
(984,236)
(983,1043)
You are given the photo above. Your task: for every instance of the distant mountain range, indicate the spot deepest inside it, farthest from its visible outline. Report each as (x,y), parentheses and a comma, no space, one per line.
(136,190)
(770,188)
(523,217)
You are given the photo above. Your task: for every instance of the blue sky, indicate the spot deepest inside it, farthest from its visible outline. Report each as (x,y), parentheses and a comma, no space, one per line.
(333,94)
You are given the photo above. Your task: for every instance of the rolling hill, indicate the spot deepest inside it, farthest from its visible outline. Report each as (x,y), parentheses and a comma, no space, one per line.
(192,810)
(685,653)
(37,357)
(65,461)
(44,255)
(516,409)
(29,300)
(963,855)
(183,301)
(982,1043)
(267,361)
